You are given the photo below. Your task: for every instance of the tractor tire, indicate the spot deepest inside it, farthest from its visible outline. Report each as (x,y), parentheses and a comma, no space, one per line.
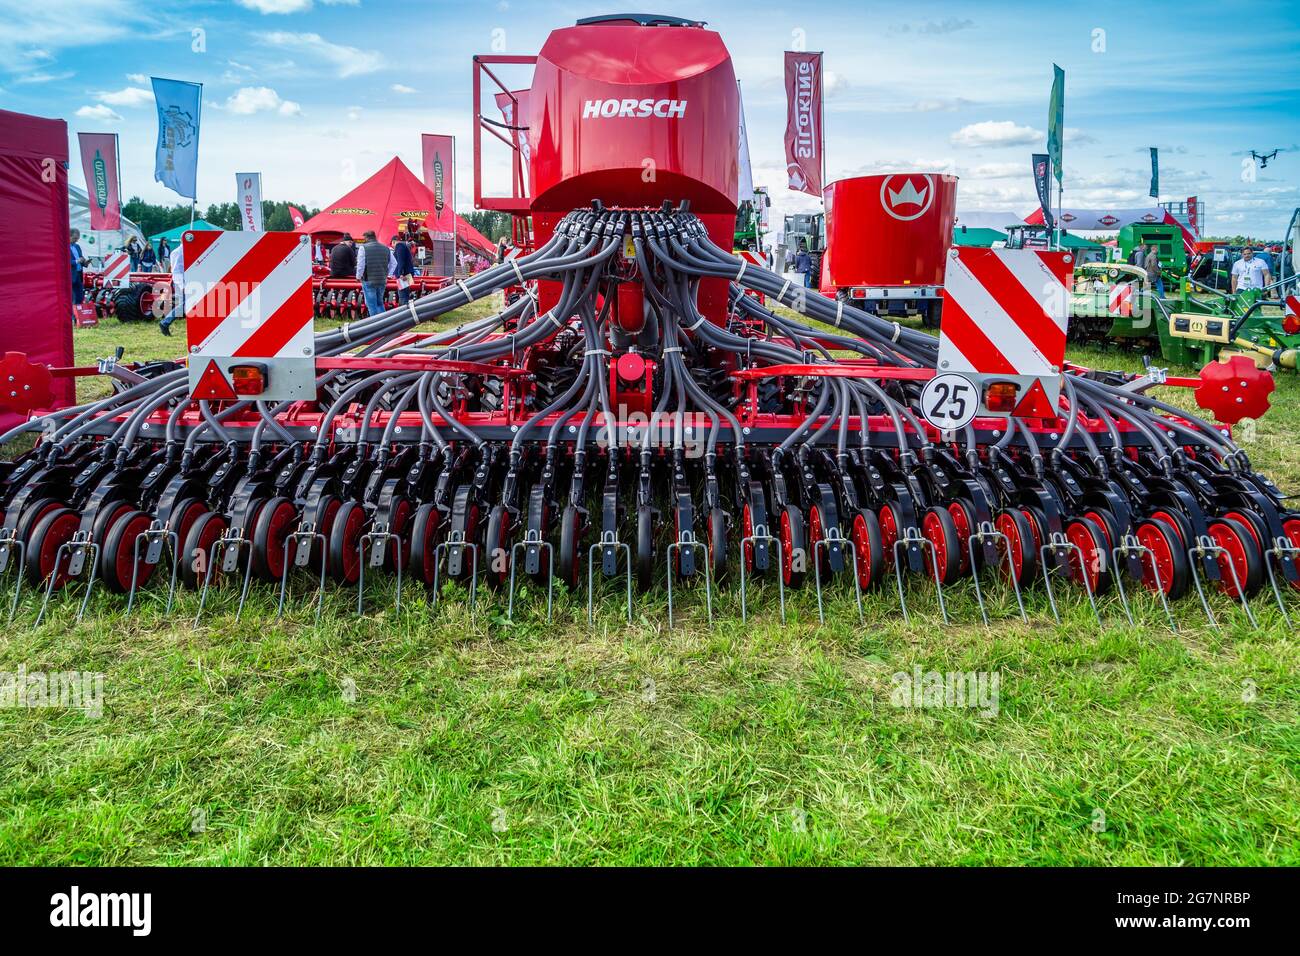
(135,303)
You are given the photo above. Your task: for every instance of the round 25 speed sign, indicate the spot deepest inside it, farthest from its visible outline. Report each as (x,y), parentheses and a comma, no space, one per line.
(949,401)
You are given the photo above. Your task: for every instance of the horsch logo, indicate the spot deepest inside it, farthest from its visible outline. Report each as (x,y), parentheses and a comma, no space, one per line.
(606,109)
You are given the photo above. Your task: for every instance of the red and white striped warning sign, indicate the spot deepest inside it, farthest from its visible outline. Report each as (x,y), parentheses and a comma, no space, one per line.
(1291,321)
(248,296)
(1121,299)
(1005,313)
(117,268)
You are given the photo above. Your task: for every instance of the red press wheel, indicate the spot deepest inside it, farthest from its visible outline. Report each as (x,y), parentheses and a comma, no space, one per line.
(794,543)
(1037,521)
(1239,552)
(817,533)
(1179,524)
(1091,543)
(1168,557)
(747,530)
(400,524)
(424,541)
(1022,551)
(889,533)
(271,531)
(1292,529)
(55,529)
(962,520)
(497,558)
(118,555)
(868,549)
(106,518)
(183,515)
(196,549)
(32,516)
(938,528)
(1106,522)
(344,562)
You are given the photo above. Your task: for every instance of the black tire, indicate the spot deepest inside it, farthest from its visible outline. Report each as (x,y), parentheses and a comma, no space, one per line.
(717,543)
(570,556)
(349,525)
(275,521)
(930,316)
(424,535)
(135,302)
(645,548)
(498,527)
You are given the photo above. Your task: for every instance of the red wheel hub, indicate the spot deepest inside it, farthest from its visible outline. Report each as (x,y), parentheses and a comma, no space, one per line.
(1015,545)
(1161,559)
(962,519)
(888,531)
(1235,389)
(1233,556)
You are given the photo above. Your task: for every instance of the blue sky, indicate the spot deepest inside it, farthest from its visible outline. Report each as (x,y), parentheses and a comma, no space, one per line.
(317,94)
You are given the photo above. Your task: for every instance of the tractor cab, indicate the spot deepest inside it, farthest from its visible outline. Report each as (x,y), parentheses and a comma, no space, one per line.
(1167,239)
(1029,236)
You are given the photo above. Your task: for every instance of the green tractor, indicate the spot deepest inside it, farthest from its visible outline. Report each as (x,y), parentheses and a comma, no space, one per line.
(1191,323)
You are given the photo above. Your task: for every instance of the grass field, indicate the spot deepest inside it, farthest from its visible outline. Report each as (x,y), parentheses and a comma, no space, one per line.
(451,736)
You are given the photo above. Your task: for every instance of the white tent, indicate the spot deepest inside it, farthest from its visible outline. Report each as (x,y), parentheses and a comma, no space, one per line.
(97,243)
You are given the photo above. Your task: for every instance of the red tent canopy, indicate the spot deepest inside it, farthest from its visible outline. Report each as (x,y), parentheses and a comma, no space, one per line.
(391,198)
(36,286)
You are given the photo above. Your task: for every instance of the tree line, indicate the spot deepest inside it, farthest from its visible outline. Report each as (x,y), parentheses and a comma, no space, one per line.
(153,218)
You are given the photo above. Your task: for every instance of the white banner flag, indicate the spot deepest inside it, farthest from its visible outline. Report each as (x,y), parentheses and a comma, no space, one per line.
(249,186)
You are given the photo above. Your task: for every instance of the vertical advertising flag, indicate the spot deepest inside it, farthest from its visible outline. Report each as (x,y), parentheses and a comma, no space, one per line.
(249,186)
(745,187)
(518,119)
(99,162)
(1056,121)
(1043,186)
(804,141)
(295,214)
(439,167)
(176,164)
(1155,173)
(1193,216)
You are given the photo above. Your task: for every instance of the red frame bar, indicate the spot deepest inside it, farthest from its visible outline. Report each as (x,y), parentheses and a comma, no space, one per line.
(518,203)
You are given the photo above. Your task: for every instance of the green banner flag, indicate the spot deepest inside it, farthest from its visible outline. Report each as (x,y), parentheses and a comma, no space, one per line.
(1155,173)
(1056,120)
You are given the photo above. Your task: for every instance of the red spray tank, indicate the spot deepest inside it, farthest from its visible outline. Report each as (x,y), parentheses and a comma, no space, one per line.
(887,239)
(633,110)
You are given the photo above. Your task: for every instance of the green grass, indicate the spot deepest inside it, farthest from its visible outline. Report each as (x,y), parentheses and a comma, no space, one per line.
(472,740)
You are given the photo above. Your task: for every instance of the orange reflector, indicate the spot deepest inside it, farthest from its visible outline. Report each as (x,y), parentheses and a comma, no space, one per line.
(1291,324)
(858,293)
(998,396)
(248,379)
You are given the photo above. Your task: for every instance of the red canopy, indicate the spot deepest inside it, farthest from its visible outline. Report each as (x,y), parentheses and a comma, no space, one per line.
(36,285)
(389,199)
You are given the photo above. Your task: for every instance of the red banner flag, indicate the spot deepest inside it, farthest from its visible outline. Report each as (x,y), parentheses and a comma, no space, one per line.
(99,162)
(296,215)
(1193,217)
(803,126)
(439,167)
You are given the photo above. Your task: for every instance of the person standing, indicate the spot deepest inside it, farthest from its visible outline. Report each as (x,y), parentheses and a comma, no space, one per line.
(177,266)
(403,269)
(147,258)
(1155,278)
(372,271)
(1139,256)
(803,265)
(164,253)
(343,258)
(78,267)
(1248,272)
(133,252)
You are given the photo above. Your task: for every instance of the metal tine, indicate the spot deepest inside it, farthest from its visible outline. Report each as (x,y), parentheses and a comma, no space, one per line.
(1056,545)
(456,540)
(760,534)
(76,550)
(1129,546)
(607,540)
(1204,547)
(912,538)
(688,540)
(229,545)
(533,539)
(157,537)
(9,544)
(986,534)
(382,537)
(294,542)
(1282,550)
(833,535)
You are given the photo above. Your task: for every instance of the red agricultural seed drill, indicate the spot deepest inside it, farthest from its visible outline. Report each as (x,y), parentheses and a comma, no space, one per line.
(632,412)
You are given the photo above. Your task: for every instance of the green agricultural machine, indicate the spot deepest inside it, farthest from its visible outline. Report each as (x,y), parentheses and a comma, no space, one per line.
(1191,323)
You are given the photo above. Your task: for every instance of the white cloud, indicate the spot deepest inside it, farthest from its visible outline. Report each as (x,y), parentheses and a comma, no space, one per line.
(260,99)
(834,83)
(403,89)
(346,61)
(996,133)
(1000,170)
(275,6)
(41,76)
(139,79)
(938,105)
(101,113)
(129,96)
(354,113)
